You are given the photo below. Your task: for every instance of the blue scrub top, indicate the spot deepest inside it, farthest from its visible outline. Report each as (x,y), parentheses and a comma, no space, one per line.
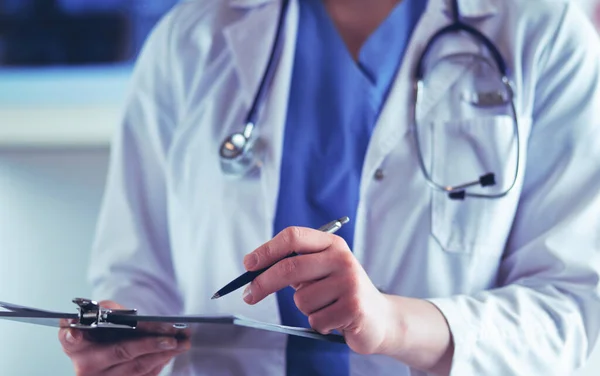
(333,107)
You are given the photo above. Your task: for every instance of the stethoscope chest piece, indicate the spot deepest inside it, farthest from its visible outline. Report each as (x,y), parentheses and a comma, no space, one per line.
(239,155)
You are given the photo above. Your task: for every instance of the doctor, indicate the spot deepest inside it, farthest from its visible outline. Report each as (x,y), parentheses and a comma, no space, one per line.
(432,275)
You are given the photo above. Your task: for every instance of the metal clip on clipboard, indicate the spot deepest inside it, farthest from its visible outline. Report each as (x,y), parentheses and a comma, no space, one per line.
(91,315)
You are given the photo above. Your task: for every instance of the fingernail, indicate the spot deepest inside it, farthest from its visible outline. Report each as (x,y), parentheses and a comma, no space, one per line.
(71,337)
(250,261)
(167,344)
(247,295)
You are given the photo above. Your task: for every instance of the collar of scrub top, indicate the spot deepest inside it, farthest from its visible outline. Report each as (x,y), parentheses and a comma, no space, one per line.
(459,192)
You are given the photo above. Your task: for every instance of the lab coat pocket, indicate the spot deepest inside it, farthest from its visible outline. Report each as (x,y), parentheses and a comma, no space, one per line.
(462,151)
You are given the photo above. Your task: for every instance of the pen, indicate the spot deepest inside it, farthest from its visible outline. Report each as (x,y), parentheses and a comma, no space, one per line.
(248,277)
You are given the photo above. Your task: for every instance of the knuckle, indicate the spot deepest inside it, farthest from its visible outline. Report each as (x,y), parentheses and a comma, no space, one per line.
(139,367)
(347,261)
(352,285)
(287,267)
(291,235)
(354,306)
(258,287)
(339,243)
(265,253)
(300,300)
(121,353)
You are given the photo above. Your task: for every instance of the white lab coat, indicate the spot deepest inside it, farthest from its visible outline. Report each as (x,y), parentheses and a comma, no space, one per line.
(516,278)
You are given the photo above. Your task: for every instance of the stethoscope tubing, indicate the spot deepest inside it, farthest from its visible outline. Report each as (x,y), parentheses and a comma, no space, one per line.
(236,150)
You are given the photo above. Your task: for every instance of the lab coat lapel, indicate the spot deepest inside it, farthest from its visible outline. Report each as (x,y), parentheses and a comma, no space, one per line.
(438,89)
(250,41)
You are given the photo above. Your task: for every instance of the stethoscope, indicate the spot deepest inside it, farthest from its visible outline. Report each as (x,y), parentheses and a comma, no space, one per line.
(240,153)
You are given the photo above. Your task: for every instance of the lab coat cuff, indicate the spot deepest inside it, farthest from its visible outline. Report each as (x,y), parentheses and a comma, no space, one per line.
(463,332)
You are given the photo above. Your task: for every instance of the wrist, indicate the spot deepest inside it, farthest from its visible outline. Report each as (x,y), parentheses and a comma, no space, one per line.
(418,335)
(396,328)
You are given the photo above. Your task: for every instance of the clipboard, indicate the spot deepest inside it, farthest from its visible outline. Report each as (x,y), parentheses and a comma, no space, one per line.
(100,321)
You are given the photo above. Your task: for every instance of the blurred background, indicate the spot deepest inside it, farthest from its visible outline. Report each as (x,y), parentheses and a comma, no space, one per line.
(64,69)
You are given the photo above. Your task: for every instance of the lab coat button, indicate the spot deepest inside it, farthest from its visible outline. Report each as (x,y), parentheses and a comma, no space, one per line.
(379,175)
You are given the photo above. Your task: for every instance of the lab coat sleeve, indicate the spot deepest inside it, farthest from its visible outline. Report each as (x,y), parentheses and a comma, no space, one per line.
(131,256)
(545,316)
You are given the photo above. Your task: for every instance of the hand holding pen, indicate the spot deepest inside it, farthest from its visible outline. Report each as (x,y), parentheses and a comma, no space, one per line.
(331,227)
(332,288)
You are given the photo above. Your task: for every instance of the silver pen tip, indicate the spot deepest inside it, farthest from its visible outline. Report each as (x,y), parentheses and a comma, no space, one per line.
(344,220)
(215,296)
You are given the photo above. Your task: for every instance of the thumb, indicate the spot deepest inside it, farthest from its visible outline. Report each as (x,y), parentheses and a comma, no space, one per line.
(110,304)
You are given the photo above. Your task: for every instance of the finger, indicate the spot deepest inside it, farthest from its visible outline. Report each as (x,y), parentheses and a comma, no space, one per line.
(160,368)
(143,365)
(330,318)
(109,304)
(73,341)
(292,239)
(102,357)
(290,271)
(318,295)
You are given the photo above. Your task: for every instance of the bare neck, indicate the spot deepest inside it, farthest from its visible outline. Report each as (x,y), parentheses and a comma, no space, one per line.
(356,20)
